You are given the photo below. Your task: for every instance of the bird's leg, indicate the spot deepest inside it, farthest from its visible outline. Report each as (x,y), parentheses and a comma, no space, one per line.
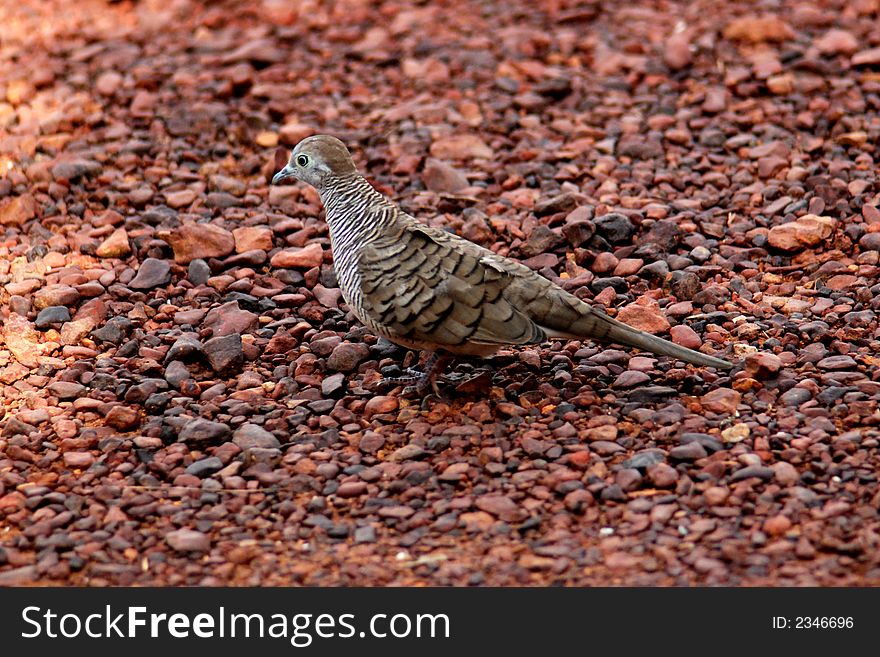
(418,381)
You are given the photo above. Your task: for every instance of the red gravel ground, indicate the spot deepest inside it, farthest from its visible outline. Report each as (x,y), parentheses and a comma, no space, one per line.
(186,401)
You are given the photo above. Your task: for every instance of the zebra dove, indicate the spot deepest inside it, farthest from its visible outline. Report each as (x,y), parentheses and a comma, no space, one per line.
(428,289)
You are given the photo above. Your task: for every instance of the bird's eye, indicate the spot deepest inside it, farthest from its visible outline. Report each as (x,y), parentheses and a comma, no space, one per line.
(302,160)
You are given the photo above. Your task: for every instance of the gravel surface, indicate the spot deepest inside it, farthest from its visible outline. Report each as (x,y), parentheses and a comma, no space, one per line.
(187,401)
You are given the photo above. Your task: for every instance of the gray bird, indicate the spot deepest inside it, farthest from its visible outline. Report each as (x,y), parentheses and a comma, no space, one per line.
(427,289)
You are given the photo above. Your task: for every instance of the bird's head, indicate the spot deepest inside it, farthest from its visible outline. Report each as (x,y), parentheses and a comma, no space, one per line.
(318,160)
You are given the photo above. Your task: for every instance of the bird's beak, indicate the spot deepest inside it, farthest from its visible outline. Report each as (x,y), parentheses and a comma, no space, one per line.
(285,173)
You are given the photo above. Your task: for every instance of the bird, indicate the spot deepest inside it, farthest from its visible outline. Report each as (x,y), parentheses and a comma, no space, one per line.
(428,289)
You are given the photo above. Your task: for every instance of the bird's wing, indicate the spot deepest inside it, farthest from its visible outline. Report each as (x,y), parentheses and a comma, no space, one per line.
(428,286)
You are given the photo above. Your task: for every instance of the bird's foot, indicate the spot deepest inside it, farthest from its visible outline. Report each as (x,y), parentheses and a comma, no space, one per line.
(418,382)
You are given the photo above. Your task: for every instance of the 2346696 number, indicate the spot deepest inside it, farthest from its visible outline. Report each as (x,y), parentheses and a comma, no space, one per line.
(823,622)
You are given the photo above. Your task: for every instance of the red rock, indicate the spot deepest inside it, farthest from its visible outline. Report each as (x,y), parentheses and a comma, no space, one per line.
(781,85)
(762,365)
(837,42)
(645,315)
(867,57)
(351,488)
(22,340)
(299,258)
(842,281)
(677,51)
(439,176)
(78,460)
(462,147)
(604,263)
(193,241)
(758,29)
(807,231)
(115,246)
(606,433)
(229,319)
(293,133)
(628,266)
(251,238)
(108,83)
(56,295)
(500,506)
(378,405)
(188,540)
(721,400)
(662,475)
(180,199)
(777,525)
(74,331)
(685,336)
(17,210)
(122,418)
(327,297)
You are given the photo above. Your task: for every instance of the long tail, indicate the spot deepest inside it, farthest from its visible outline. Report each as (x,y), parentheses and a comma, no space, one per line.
(597,325)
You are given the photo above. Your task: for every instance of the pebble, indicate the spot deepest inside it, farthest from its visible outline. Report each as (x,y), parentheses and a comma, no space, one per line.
(152,273)
(188,540)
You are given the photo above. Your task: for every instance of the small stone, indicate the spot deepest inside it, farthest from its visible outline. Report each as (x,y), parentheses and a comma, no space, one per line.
(299,258)
(122,418)
(870,57)
(200,431)
(115,246)
(759,471)
(721,400)
(78,460)
(735,434)
(351,489)
(67,389)
(614,227)
(837,363)
(152,273)
(644,315)
(346,356)
(52,315)
(688,452)
(192,241)
(685,336)
(73,168)
(379,405)
(55,295)
(225,352)
(438,176)
(228,318)
(188,540)
(250,436)
(837,42)
(251,238)
(501,507)
(807,231)
(332,384)
(180,199)
(176,373)
(204,467)
(677,51)
(17,210)
(777,525)
(293,133)
(641,147)
(108,82)
(462,147)
(630,379)
(762,365)
(198,272)
(758,29)
(662,475)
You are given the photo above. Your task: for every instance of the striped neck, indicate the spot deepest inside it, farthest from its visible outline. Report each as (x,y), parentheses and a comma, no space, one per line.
(355,210)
